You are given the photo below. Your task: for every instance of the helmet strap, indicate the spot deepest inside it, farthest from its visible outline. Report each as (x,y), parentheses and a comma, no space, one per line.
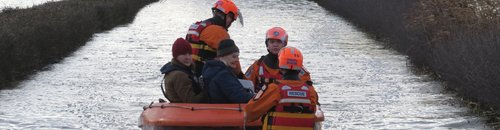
(225,19)
(225,22)
(221,15)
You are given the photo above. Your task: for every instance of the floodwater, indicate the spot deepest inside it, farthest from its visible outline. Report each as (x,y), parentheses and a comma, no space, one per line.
(361,85)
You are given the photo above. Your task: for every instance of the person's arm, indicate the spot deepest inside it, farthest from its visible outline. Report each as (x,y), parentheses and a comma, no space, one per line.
(305,76)
(263,101)
(232,88)
(184,88)
(314,96)
(252,74)
(212,35)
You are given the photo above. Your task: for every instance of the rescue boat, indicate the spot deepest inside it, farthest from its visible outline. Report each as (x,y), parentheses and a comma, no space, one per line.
(161,116)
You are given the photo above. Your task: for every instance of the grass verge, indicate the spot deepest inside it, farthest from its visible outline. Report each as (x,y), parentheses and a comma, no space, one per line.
(457,40)
(36,37)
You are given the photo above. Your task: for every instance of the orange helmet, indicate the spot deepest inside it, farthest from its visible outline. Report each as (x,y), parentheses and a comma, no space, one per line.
(290,58)
(227,6)
(277,33)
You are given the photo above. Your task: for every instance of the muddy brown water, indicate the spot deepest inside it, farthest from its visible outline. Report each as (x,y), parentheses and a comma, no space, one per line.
(361,85)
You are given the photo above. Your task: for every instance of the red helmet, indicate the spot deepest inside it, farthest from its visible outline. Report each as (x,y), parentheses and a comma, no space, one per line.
(227,6)
(290,58)
(277,33)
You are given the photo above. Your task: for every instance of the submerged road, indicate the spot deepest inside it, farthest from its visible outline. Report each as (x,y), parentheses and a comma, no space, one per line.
(361,85)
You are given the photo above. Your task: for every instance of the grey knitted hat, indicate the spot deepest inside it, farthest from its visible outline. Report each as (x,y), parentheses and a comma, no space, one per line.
(227,47)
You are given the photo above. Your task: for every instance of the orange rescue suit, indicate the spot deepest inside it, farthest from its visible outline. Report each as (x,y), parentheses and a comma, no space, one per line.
(273,100)
(261,74)
(205,37)
(210,36)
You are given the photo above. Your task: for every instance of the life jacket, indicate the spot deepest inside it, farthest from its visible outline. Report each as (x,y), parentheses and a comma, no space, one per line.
(201,51)
(295,110)
(265,77)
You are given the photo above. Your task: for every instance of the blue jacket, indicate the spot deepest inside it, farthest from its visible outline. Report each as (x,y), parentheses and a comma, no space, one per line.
(222,85)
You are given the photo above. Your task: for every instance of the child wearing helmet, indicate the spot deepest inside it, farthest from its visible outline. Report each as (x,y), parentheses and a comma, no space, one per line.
(205,35)
(265,70)
(288,103)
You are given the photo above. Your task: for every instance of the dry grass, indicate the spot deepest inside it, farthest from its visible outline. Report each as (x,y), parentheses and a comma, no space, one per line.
(456,39)
(35,37)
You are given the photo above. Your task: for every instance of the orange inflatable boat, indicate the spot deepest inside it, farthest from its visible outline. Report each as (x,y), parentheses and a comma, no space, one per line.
(161,116)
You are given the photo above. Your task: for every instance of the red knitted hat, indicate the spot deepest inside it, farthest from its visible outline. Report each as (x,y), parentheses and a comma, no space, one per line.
(181,47)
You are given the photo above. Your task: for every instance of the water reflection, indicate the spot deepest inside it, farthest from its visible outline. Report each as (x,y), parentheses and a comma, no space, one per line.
(105,84)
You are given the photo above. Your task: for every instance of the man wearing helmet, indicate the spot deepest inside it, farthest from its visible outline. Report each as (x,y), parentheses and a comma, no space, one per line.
(205,35)
(265,70)
(289,103)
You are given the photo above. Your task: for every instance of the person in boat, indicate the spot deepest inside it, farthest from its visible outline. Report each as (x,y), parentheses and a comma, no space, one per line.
(221,82)
(179,77)
(206,35)
(289,103)
(265,70)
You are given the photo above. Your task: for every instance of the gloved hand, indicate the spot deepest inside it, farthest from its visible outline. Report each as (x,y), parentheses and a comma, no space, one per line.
(198,84)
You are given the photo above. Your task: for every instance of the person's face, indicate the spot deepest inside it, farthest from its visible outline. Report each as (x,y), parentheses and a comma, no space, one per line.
(185,59)
(274,46)
(231,60)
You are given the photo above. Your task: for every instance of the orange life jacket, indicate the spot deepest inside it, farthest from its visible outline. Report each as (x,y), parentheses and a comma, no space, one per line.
(266,77)
(295,110)
(201,51)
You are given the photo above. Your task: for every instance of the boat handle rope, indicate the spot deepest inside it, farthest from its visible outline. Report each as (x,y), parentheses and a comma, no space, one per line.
(195,108)
(202,108)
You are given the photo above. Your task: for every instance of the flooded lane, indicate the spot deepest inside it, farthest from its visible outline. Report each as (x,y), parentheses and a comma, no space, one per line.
(361,85)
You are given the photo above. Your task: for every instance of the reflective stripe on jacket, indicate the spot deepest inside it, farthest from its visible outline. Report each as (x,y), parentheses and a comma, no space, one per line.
(261,74)
(293,111)
(288,121)
(290,105)
(200,49)
(205,38)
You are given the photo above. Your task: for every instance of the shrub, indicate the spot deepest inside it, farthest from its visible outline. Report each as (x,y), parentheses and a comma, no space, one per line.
(35,37)
(456,39)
